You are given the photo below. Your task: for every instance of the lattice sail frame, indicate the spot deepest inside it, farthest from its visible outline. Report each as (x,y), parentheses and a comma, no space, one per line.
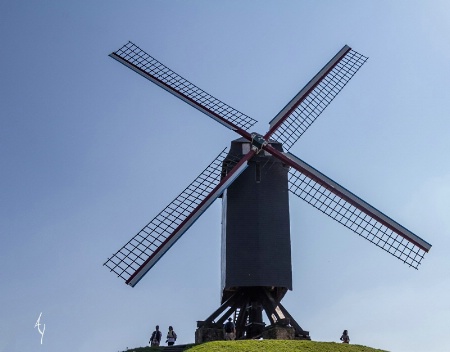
(138,60)
(344,207)
(159,231)
(312,100)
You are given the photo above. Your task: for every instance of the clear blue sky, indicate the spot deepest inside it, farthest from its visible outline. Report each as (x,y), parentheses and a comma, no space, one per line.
(90,152)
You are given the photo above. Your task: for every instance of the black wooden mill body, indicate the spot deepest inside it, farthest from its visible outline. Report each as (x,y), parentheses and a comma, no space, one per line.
(254,180)
(256,245)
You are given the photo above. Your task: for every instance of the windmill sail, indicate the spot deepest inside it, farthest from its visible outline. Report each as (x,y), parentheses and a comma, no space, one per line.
(138,60)
(351,211)
(138,255)
(295,118)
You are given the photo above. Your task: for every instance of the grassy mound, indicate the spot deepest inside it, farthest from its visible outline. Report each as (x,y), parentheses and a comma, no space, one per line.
(279,346)
(268,346)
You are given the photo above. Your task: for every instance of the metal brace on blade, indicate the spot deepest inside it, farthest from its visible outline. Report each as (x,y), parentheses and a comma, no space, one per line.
(258,142)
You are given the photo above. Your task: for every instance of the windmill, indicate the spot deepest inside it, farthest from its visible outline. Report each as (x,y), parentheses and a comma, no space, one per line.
(254,179)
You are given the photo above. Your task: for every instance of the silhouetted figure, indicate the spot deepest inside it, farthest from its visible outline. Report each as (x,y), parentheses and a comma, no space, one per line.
(171,337)
(345,338)
(229,330)
(155,339)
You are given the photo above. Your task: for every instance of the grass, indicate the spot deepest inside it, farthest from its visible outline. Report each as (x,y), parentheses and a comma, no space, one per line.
(268,346)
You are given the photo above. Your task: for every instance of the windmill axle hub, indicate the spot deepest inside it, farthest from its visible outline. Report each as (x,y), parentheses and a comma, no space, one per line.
(258,142)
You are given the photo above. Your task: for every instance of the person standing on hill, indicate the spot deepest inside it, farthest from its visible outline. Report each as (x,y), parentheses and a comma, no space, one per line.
(229,330)
(171,337)
(155,339)
(345,338)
